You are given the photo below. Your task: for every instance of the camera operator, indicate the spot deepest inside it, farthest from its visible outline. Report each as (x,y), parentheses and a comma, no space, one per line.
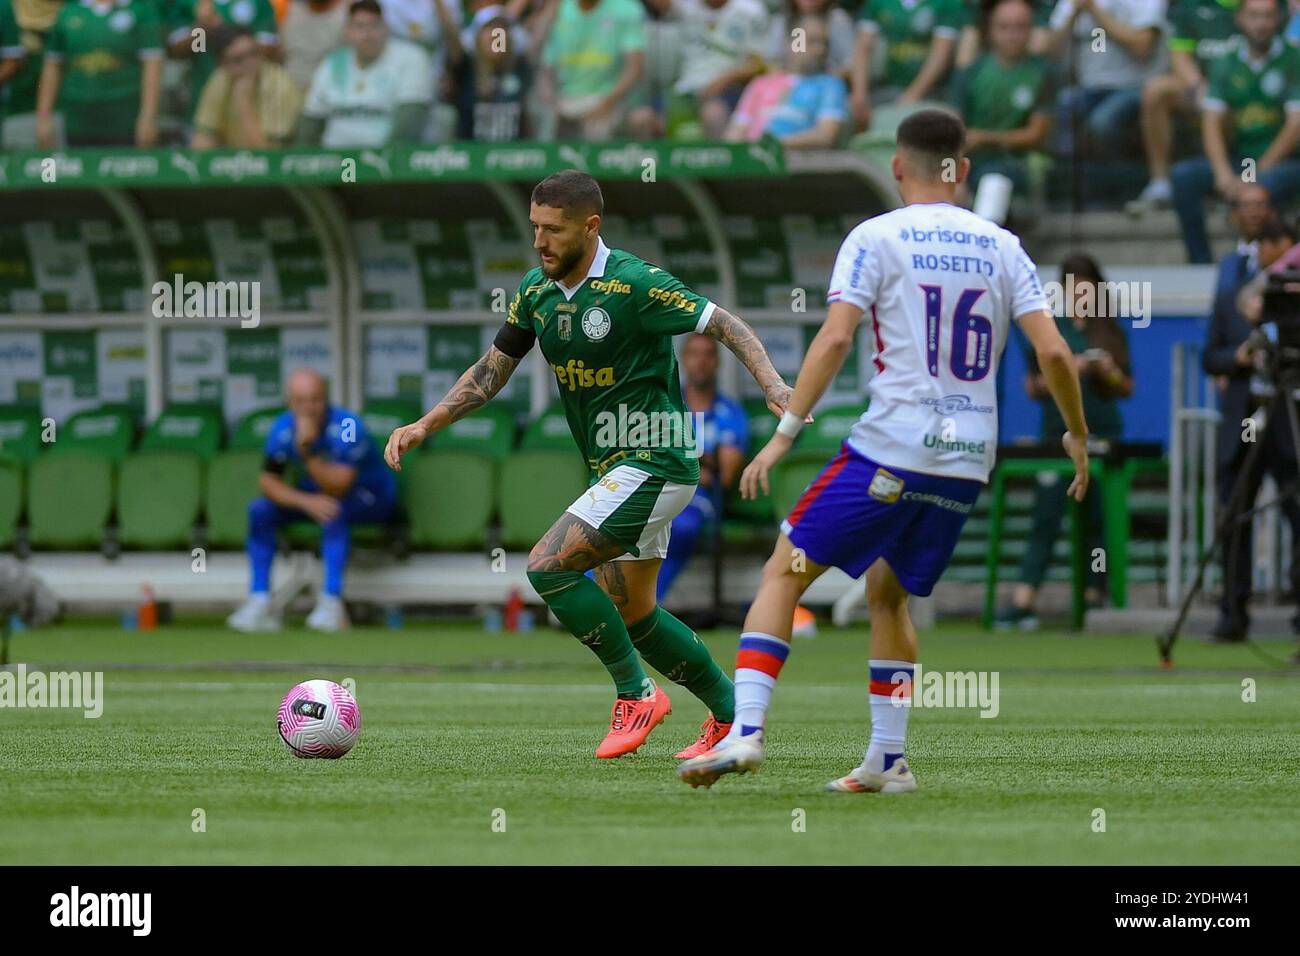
(1235,353)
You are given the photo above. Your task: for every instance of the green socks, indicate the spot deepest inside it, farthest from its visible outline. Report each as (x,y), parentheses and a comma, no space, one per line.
(673,649)
(591,617)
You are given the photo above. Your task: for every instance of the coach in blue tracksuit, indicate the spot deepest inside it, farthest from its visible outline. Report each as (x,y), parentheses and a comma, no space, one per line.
(723,439)
(342,481)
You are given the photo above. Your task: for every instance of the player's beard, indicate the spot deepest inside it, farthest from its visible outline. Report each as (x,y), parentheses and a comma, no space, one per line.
(564,264)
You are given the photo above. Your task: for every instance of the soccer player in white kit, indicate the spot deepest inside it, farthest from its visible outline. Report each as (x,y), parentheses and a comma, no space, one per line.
(940,286)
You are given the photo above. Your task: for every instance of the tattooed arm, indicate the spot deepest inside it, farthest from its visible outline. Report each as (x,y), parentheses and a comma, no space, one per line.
(474,390)
(737,336)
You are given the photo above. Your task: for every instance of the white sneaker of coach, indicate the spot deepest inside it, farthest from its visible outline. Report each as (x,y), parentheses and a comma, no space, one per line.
(329,614)
(255,615)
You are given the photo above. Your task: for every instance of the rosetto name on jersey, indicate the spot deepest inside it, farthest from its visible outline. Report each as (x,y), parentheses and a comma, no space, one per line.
(939,323)
(941,263)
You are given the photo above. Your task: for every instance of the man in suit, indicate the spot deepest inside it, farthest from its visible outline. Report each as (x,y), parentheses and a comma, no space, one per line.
(1231,359)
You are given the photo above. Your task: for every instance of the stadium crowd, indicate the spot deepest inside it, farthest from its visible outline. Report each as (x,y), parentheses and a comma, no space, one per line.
(1100,81)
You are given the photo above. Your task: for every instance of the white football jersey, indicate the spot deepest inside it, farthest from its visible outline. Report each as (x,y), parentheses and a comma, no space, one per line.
(939,286)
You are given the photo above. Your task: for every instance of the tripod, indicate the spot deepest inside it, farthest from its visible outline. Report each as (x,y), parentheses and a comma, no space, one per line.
(1284,370)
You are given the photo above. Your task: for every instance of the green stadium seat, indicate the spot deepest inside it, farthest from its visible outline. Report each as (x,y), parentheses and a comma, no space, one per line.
(158,499)
(184,427)
(20,433)
(789,479)
(536,486)
(253,428)
(762,424)
(108,431)
(488,431)
(827,431)
(382,415)
(449,497)
(69,499)
(549,430)
(231,487)
(11,501)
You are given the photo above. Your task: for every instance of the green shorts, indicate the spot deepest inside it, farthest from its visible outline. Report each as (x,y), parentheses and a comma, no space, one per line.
(634,508)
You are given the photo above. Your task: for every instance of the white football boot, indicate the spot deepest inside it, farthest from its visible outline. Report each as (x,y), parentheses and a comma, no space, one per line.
(255,615)
(329,614)
(731,755)
(897,779)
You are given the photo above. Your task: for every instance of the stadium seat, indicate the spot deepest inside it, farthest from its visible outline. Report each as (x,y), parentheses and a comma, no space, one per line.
(449,497)
(536,487)
(382,415)
(69,499)
(788,480)
(762,423)
(823,436)
(549,430)
(184,427)
(20,433)
(158,499)
(231,486)
(253,428)
(489,431)
(108,431)
(11,501)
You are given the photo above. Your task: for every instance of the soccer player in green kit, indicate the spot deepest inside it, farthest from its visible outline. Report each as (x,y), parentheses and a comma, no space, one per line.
(605,320)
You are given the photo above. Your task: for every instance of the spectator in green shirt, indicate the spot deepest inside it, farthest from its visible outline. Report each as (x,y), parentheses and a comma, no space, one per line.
(1250,125)
(1006,96)
(103,68)
(189,21)
(13,54)
(919,40)
(971,42)
(1200,32)
(1101,352)
(593,64)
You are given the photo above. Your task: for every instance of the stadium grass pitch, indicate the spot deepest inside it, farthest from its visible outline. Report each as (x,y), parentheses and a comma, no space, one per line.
(463,729)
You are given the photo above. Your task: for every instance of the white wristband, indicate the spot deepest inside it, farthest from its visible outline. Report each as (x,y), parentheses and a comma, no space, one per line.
(790,425)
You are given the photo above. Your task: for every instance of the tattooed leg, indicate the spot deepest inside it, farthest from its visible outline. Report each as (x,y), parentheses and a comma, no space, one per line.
(556,568)
(631,586)
(572,545)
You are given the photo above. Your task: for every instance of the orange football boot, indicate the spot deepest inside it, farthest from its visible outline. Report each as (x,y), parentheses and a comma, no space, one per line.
(711,733)
(631,721)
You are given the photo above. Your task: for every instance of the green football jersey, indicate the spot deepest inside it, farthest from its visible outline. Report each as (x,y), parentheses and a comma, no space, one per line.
(11,47)
(1255,95)
(1203,28)
(609,344)
(907,27)
(997,97)
(100,47)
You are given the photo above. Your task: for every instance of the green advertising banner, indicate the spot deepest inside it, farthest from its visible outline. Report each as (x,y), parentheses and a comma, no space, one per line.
(420,363)
(60,372)
(474,162)
(242,370)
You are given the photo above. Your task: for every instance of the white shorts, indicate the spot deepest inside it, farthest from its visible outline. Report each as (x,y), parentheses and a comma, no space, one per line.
(634,508)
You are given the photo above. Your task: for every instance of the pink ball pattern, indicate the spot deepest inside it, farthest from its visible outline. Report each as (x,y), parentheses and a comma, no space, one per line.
(319,718)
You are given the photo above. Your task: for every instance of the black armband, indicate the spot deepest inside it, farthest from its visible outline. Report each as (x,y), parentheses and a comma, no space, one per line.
(514,341)
(274,466)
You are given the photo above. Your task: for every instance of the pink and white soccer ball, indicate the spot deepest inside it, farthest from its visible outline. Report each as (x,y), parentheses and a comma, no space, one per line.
(319,718)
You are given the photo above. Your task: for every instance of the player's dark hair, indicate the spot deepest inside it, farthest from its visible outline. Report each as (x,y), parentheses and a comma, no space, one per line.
(932,136)
(365,6)
(571,191)
(223,36)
